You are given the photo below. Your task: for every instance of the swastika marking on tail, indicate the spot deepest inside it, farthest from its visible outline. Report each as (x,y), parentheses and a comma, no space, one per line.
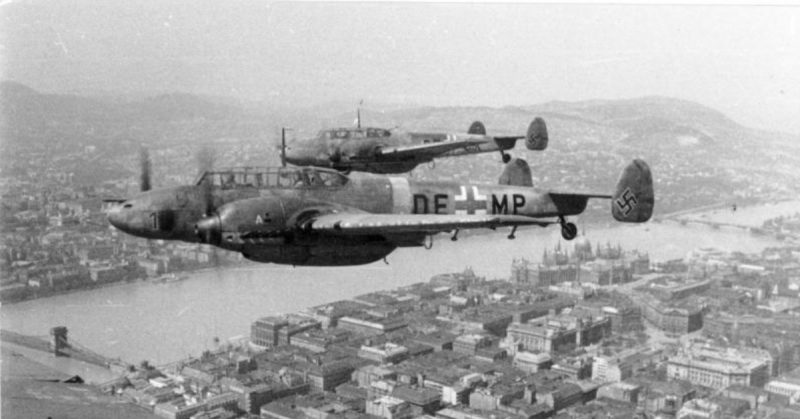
(626,202)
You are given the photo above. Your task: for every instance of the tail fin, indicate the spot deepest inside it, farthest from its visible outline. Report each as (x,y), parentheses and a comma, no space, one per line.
(536,137)
(516,173)
(634,199)
(477,128)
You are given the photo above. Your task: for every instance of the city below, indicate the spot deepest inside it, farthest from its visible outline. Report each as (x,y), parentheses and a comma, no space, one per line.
(590,331)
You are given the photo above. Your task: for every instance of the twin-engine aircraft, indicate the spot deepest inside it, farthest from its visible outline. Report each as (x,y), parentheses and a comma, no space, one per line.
(323,217)
(377,150)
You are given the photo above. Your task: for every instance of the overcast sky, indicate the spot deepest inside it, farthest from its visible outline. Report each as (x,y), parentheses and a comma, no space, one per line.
(741,60)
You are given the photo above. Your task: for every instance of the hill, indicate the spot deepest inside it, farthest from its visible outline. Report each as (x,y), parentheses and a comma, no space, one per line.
(698,155)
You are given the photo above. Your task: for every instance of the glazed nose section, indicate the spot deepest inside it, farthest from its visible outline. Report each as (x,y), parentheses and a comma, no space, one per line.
(295,156)
(116,218)
(128,218)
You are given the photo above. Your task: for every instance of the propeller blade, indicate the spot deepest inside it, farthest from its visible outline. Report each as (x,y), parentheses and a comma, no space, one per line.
(205,163)
(144,174)
(205,160)
(207,198)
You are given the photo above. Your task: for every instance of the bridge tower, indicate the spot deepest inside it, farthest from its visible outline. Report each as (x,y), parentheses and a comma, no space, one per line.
(60,342)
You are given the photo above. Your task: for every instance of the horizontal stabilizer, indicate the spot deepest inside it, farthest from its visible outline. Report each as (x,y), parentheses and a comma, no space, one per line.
(634,199)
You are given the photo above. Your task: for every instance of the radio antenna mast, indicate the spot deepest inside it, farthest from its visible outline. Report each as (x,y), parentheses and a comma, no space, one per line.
(358,114)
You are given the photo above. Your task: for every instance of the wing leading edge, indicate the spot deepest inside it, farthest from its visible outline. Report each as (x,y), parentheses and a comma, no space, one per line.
(354,224)
(428,150)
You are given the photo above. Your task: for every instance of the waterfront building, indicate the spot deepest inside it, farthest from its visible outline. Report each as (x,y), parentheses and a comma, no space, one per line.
(296,324)
(265,331)
(329,314)
(551,275)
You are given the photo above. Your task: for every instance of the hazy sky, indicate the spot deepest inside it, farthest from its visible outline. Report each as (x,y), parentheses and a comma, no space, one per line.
(741,60)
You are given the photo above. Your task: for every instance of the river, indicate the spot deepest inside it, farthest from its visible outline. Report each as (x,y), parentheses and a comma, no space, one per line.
(165,322)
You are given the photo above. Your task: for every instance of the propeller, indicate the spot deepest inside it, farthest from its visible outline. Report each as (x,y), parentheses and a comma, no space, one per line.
(207,228)
(145,166)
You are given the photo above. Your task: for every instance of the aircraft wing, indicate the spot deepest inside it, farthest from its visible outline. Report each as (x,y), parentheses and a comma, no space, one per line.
(353,224)
(429,149)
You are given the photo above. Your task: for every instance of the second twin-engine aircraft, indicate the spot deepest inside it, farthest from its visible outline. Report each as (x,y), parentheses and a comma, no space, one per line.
(322,217)
(378,150)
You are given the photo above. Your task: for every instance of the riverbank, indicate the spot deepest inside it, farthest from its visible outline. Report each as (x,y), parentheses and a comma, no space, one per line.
(33,388)
(36,295)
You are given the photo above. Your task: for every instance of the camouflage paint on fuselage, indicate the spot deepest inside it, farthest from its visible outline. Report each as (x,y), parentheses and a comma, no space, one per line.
(398,195)
(265,222)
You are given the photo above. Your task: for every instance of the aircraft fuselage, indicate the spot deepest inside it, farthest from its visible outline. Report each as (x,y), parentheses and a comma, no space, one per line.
(263,219)
(369,149)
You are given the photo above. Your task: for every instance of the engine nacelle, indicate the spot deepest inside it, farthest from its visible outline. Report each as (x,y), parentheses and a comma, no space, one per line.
(246,219)
(536,137)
